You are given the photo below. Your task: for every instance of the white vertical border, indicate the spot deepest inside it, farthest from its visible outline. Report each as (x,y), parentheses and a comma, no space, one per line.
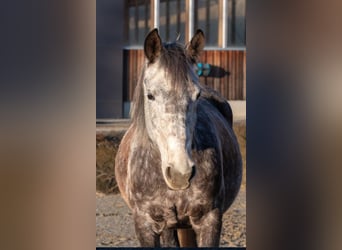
(224,23)
(191,18)
(156,14)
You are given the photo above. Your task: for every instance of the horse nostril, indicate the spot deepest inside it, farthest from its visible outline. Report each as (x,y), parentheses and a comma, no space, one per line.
(193,172)
(168,172)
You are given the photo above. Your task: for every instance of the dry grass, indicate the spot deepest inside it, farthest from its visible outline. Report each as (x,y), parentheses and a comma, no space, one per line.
(106,148)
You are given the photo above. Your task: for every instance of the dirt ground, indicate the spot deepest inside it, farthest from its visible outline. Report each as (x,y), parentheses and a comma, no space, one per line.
(114,224)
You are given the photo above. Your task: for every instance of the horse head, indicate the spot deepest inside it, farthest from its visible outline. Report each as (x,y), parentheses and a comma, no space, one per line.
(171,89)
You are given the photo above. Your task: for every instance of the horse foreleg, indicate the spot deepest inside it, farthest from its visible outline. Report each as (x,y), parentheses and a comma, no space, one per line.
(144,232)
(208,229)
(169,238)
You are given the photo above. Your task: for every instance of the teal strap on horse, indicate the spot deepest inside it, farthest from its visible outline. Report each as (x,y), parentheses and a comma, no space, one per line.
(203,69)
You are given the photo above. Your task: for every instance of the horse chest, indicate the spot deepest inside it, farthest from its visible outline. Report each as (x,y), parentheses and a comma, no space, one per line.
(155,202)
(171,209)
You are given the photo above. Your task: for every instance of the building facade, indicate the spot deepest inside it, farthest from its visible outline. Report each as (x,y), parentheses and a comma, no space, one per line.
(123,25)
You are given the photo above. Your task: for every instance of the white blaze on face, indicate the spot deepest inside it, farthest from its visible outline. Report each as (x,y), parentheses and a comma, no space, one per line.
(178,155)
(166,116)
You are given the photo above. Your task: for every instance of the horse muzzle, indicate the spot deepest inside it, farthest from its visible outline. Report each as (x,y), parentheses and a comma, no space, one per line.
(176,180)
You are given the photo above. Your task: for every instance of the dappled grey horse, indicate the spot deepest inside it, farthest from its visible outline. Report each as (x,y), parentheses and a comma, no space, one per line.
(178,166)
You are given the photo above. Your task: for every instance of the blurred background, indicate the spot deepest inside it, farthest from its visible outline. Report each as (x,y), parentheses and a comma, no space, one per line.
(121,27)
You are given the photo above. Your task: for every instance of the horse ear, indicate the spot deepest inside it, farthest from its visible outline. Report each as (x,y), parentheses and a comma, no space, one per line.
(196,44)
(152,45)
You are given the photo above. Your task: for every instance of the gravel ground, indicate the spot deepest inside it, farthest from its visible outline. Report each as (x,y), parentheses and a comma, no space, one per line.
(114,224)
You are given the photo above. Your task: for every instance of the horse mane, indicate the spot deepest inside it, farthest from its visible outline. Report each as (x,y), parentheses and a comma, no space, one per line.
(219,102)
(137,112)
(178,66)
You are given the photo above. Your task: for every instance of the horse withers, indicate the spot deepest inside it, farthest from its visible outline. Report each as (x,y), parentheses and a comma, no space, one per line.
(179,165)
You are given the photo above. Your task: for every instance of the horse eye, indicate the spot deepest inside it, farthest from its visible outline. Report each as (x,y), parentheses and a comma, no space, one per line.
(150,97)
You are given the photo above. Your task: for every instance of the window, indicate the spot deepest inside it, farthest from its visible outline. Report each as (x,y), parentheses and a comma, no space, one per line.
(172,19)
(236,35)
(223,21)
(138,23)
(207,18)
